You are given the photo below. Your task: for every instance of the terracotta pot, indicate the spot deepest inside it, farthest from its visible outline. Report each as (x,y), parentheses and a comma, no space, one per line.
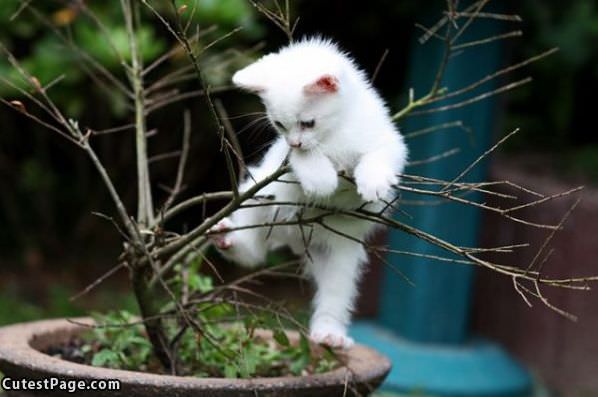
(20,358)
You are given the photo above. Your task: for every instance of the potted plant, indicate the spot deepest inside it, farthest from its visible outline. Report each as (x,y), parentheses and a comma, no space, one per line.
(193,336)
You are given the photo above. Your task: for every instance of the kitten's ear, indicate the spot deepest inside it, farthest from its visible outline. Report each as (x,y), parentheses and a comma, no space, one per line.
(325,84)
(251,78)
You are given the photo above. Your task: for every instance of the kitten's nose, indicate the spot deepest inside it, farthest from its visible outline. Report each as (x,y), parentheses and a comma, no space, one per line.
(295,144)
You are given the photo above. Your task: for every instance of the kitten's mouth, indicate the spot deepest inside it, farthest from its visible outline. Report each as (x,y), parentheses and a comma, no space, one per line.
(300,146)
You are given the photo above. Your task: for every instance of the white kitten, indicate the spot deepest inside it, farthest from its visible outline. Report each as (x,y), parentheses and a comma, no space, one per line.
(330,119)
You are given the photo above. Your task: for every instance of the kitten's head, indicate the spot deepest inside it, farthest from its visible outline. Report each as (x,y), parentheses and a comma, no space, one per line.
(302,87)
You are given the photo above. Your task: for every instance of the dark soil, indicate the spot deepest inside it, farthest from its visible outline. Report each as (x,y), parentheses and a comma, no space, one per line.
(73,351)
(70,351)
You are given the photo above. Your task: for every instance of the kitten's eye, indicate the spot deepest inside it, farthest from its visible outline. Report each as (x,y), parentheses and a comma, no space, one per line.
(307,124)
(280,125)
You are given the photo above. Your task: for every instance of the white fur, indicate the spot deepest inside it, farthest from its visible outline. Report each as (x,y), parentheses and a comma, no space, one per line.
(353,133)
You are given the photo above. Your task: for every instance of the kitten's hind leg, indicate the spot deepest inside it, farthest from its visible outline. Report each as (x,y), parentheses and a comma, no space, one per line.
(336,272)
(246,247)
(219,234)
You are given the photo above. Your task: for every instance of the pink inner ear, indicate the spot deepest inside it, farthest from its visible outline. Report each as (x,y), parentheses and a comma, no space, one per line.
(326,84)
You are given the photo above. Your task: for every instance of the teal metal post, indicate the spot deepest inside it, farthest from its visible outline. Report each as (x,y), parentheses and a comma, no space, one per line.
(424,328)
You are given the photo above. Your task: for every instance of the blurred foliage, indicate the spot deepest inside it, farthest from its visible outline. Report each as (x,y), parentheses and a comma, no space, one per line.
(55,38)
(13,308)
(556,111)
(582,161)
(16,307)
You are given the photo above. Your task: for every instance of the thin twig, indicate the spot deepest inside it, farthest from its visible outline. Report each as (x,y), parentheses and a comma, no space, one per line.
(182,162)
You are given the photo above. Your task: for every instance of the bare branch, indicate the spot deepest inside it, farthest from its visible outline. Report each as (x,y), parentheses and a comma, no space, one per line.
(480,158)
(182,162)
(516,33)
(145,206)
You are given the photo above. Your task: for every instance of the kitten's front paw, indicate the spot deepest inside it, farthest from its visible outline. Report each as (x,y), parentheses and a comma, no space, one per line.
(375,186)
(315,173)
(219,234)
(330,334)
(319,184)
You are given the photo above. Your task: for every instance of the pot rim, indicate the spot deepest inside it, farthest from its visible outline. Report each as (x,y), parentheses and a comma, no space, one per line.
(17,350)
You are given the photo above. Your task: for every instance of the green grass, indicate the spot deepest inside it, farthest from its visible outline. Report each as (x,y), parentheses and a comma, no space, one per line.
(16,307)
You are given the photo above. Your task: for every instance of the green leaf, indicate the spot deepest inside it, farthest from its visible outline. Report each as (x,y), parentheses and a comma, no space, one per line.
(201,283)
(304,346)
(230,371)
(298,365)
(106,358)
(281,338)
(249,364)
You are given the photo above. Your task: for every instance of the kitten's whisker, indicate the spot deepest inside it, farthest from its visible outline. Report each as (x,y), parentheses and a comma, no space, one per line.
(257,131)
(251,124)
(260,148)
(240,116)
